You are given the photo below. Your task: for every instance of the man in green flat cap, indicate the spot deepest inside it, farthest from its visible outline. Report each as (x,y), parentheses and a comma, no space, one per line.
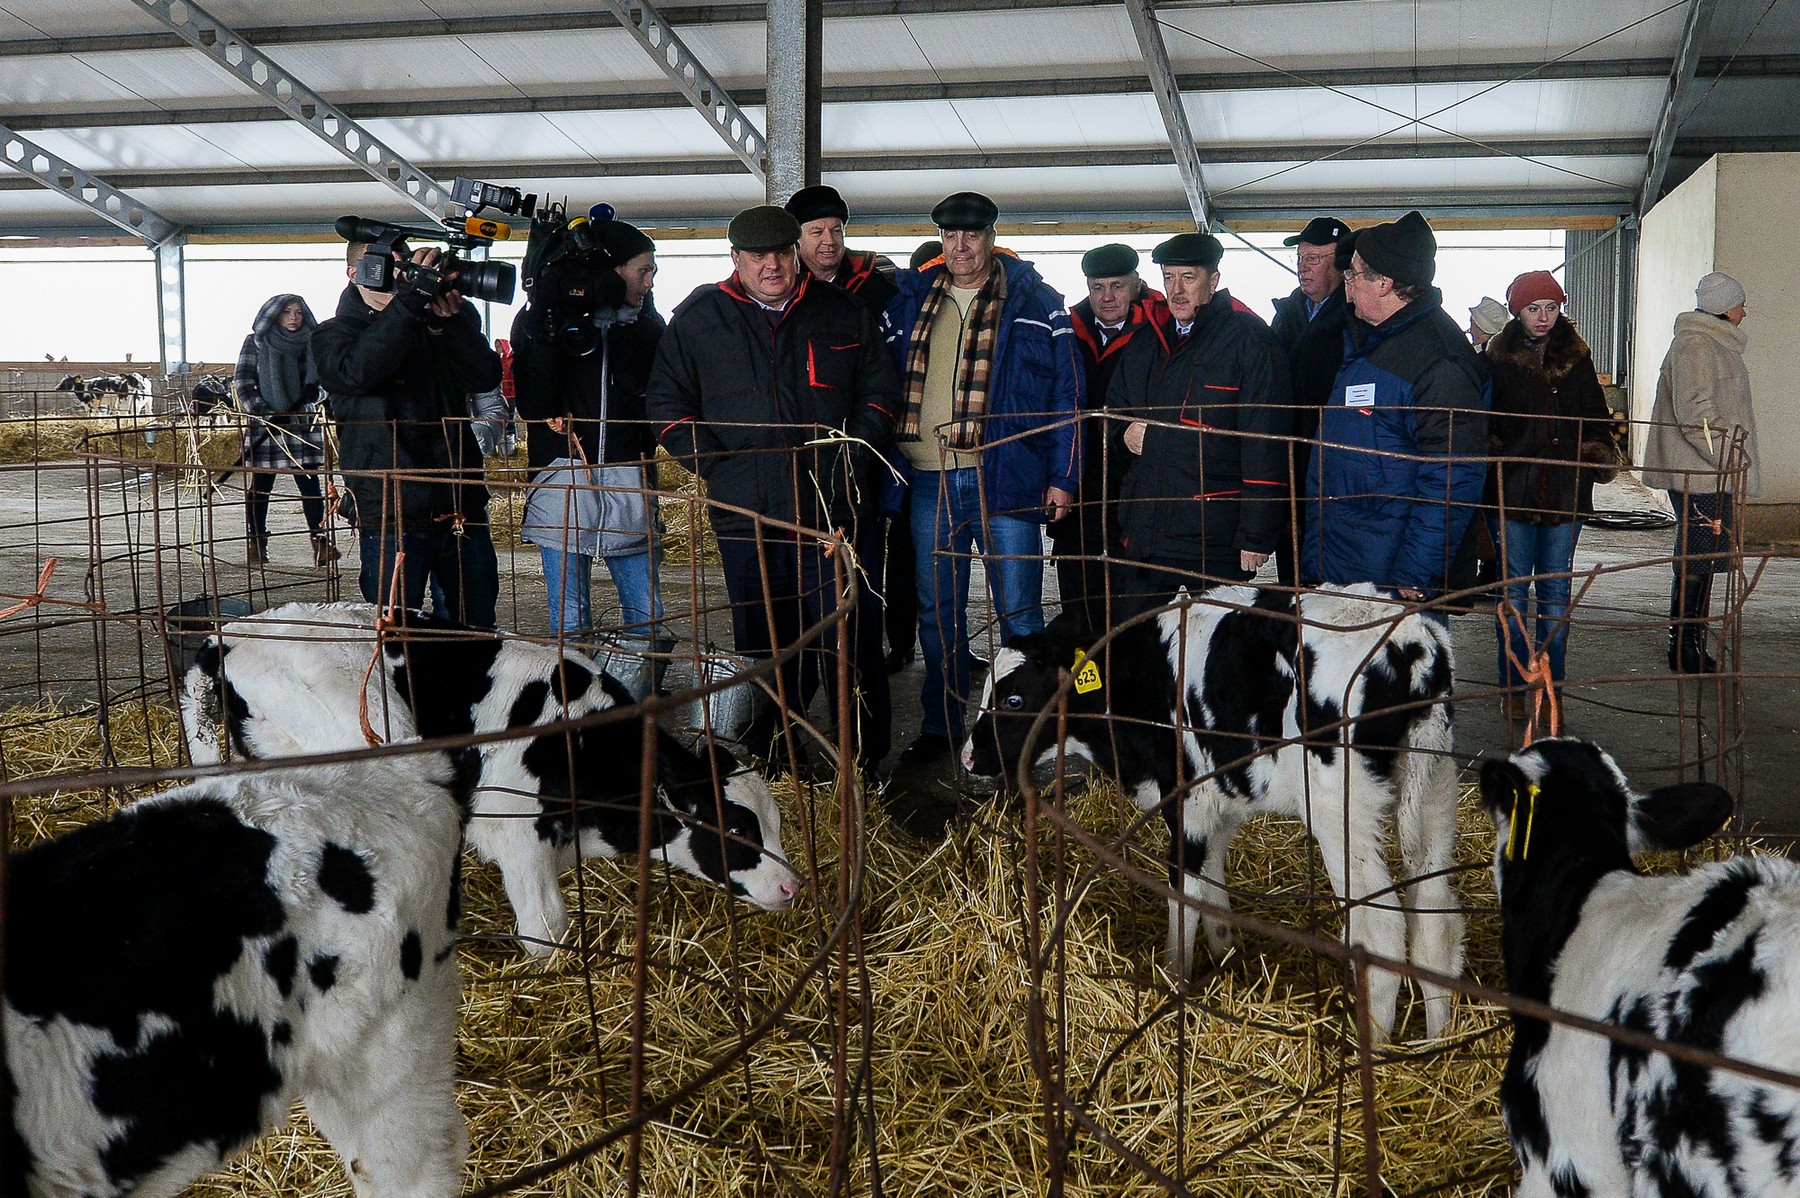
(752,378)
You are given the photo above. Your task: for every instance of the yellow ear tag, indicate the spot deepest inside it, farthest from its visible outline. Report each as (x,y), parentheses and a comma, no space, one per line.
(1512,831)
(1087,674)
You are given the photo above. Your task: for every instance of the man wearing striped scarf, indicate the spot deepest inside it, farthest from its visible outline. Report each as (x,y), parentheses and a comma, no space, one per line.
(992,382)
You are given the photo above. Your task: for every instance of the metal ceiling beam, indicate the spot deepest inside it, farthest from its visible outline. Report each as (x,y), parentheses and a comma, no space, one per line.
(1168,101)
(255,69)
(1769,66)
(41,168)
(560,21)
(693,80)
(1681,80)
(1049,158)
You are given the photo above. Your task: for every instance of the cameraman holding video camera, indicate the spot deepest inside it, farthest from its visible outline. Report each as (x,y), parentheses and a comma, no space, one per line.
(399,365)
(583,347)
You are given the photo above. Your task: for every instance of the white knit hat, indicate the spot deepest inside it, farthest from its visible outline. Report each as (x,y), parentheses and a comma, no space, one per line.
(1718,293)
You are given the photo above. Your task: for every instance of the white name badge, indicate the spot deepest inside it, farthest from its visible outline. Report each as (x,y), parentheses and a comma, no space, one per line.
(1361,395)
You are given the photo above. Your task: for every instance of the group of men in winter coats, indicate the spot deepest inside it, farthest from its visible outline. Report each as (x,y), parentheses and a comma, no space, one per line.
(955,408)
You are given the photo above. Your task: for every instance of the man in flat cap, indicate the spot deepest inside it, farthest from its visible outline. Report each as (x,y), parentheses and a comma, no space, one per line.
(751,376)
(1402,453)
(1119,305)
(1207,482)
(992,383)
(822,214)
(1310,326)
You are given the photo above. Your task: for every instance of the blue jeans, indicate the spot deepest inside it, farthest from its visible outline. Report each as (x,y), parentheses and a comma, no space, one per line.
(947,528)
(459,570)
(568,582)
(1534,549)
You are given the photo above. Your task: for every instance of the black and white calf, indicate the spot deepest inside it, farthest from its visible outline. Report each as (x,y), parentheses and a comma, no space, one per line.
(1711,959)
(290,682)
(1229,680)
(179,973)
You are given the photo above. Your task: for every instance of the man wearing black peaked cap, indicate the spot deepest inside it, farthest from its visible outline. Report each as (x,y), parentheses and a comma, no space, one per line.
(992,383)
(1118,307)
(1402,454)
(1310,326)
(747,375)
(1207,482)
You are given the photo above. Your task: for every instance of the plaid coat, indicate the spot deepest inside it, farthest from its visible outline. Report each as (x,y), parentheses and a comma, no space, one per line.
(276,441)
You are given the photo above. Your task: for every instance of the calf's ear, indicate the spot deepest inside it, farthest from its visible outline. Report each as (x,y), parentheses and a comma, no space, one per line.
(1680,816)
(1500,781)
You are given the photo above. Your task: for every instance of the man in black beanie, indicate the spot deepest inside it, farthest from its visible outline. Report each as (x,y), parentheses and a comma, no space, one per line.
(1208,387)
(1402,453)
(1310,326)
(750,375)
(1119,305)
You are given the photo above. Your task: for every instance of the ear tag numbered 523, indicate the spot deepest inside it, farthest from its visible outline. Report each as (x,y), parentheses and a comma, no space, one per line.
(1087,675)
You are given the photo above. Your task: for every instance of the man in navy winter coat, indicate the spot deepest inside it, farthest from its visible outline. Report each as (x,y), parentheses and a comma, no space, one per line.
(1402,454)
(992,386)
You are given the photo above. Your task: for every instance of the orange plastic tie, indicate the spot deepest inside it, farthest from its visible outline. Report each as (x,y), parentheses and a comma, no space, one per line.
(383,623)
(37,596)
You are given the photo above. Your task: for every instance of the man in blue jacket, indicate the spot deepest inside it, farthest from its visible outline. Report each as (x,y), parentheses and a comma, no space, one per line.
(1402,452)
(992,384)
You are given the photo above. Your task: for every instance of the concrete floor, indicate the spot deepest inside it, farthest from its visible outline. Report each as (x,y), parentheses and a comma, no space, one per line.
(134,546)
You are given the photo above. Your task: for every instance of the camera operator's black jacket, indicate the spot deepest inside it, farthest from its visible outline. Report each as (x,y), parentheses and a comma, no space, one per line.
(550,382)
(399,381)
(737,398)
(1224,398)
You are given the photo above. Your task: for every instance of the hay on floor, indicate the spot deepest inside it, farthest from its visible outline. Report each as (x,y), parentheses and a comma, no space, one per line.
(1234,1087)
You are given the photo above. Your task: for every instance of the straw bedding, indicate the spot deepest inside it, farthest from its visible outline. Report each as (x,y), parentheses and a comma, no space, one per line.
(1238,1086)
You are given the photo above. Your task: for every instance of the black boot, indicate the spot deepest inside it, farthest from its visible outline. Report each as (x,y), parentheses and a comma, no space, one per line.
(1687,630)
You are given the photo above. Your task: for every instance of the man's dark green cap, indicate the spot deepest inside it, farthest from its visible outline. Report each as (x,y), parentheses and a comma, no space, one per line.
(763,228)
(1109,261)
(1189,249)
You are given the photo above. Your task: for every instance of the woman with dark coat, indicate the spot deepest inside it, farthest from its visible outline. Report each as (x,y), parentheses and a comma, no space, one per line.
(1551,436)
(278,389)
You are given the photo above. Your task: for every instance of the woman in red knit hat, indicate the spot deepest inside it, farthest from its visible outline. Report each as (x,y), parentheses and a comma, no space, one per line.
(1551,436)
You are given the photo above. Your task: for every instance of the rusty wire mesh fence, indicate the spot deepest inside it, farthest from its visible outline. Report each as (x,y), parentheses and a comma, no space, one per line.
(988,1014)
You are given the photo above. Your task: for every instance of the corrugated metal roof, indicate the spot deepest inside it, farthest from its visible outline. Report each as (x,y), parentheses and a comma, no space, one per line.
(1046,105)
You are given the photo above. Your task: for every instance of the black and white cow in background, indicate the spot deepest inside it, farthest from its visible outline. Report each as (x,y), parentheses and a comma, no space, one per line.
(177,974)
(1235,694)
(1711,959)
(290,682)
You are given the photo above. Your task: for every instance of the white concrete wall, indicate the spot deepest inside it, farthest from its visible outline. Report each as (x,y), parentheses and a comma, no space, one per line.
(1674,249)
(1758,244)
(1740,213)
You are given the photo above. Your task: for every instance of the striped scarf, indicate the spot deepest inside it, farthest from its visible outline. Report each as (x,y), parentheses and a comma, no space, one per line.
(975,366)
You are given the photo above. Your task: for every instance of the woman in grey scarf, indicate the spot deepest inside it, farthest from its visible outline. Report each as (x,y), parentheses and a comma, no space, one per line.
(278,389)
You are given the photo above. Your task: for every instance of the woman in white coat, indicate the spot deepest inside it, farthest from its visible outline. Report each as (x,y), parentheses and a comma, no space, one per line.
(1702,406)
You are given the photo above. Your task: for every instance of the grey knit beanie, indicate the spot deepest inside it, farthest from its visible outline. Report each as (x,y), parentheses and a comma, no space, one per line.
(1718,293)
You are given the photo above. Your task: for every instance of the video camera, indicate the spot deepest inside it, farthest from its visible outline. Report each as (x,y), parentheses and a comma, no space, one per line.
(379,270)
(570,278)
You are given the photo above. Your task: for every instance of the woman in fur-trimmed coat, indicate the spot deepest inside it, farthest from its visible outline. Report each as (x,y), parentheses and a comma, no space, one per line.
(1550,434)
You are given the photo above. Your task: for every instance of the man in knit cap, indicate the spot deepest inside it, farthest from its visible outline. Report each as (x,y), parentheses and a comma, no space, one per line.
(749,374)
(1119,305)
(822,214)
(1402,453)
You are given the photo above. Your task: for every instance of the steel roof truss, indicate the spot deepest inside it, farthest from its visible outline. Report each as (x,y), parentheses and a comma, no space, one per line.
(96,195)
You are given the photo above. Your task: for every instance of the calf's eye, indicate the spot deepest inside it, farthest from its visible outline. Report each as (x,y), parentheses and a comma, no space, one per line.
(1014,702)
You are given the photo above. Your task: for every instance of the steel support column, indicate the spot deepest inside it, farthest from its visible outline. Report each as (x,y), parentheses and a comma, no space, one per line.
(1681,81)
(795,39)
(171,304)
(255,69)
(695,82)
(1168,99)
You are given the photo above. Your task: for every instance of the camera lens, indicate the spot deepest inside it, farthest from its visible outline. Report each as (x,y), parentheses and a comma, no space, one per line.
(491,281)
(580,236)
